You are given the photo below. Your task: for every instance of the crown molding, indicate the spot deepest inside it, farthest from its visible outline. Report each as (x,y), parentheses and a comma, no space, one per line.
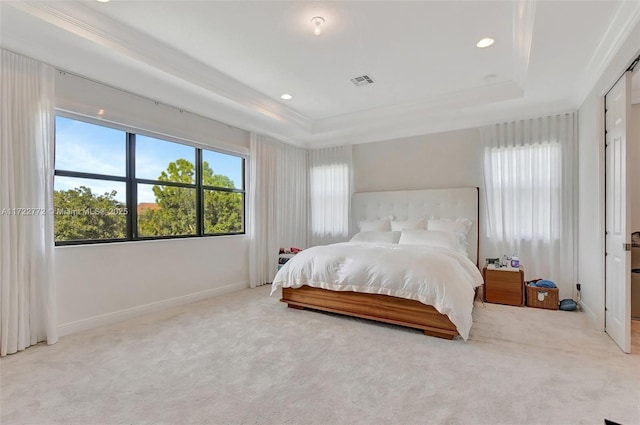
(91,25)
(626,17)
(439,122)
(417,111)
(84,22)
(221,97)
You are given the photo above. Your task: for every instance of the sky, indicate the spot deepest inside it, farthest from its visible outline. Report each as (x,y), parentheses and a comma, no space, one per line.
(95,149)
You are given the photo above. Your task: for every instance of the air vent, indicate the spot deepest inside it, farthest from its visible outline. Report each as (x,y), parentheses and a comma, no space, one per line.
(363,80)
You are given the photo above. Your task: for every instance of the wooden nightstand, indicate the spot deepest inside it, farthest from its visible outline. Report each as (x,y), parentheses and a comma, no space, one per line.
(503,285)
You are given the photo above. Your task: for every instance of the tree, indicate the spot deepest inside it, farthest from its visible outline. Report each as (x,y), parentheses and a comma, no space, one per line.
(176,213)
(222,210)
(81,214)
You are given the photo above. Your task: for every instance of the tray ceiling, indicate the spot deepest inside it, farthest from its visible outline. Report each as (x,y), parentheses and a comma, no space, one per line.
(232,60)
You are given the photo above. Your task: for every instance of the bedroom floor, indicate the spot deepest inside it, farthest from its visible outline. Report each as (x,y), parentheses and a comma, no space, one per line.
(246,358)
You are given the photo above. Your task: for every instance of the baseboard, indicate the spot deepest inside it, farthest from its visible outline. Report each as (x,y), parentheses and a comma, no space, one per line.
(129,313)
(591,314)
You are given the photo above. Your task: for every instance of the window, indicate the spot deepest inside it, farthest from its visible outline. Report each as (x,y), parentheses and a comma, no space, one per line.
(330,194)
(112,185)
(90,191)
(165,188)
(524,189)
(223,197)
(330,197)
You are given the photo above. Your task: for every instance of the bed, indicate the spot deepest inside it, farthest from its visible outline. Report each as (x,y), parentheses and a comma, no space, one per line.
(430,288)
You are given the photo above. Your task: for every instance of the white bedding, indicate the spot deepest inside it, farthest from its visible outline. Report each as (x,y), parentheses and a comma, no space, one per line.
(440,277)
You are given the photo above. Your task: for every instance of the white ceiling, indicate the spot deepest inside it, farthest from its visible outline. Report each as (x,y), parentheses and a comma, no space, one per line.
(232,60)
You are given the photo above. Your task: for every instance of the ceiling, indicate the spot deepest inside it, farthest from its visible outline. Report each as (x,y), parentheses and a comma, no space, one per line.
(232,60)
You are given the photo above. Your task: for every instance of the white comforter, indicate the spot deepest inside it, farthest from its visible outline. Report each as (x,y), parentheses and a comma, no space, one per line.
(440,277)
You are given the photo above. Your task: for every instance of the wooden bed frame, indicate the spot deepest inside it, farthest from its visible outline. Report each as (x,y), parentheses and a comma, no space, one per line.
(385,308)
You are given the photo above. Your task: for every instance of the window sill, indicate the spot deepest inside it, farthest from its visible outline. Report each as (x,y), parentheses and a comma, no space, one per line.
(143,241)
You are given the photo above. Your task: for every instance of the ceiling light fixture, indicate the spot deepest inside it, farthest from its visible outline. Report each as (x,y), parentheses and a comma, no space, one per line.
(485,42)
(317,22)
(286,96)
(103,1)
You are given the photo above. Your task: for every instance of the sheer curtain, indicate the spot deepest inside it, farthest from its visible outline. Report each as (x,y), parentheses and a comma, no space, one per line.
(278,194)
(530,170)
(293,196)
(330,189)
(28,300)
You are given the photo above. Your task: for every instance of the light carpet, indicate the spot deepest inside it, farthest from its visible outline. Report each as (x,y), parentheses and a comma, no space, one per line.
(245,358)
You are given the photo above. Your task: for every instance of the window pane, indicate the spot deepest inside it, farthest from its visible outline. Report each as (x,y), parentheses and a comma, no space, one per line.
(221,170)
(166,210)
(223,212)
(89,148)
(165,161)
(89,209)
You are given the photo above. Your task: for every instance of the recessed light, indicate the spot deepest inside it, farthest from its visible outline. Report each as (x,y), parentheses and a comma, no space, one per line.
(485,42)
(286,96)
(101,112)
(103,1)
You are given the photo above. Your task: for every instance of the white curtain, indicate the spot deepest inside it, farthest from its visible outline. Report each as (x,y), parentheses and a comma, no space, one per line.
(530,175)
(278,213)
(293,196)
(330,189)
(27,289)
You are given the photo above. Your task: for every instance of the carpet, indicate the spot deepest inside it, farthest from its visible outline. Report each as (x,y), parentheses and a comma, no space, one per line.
(244,358)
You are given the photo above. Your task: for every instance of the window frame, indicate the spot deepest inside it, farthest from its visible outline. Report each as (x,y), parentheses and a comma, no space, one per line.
(131,182)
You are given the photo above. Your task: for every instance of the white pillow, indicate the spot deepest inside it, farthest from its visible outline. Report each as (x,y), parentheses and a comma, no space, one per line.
(380,237)
(459,225)
(408,224)
(452,240)
(380,225)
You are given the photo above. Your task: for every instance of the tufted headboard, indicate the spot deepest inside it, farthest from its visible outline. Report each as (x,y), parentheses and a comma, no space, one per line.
(412,204)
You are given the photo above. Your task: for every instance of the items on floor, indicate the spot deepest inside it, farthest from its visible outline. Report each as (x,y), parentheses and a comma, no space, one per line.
(568,305)
(542,293)
(285,255)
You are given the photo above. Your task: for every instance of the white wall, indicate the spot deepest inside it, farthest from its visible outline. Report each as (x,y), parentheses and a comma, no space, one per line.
(450,159)
(591,207)
(591,181)
(436,160)
(102,283)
